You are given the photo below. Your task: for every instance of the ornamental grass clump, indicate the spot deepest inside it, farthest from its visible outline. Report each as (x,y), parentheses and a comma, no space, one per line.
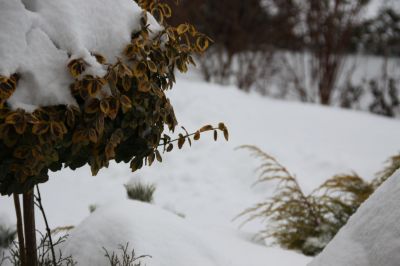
(140,191)
(100,105)
(307,222)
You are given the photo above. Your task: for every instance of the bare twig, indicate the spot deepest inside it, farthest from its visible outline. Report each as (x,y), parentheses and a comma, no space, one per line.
(39,204)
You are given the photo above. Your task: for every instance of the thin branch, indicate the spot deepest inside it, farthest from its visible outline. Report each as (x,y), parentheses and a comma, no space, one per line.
(39,204)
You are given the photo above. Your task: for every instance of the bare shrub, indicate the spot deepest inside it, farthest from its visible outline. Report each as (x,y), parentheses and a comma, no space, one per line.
(123,257)
(44,250)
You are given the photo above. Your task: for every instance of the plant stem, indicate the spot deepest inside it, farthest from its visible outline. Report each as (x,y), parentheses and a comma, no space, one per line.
(20,230)
(40,205)
(30,229)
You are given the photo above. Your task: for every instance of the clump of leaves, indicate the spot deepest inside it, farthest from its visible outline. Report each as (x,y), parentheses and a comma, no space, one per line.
(307,222)
(124,257)
(140,191)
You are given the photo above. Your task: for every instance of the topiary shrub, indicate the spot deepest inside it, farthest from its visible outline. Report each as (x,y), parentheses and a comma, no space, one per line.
(307,223)
(114,107)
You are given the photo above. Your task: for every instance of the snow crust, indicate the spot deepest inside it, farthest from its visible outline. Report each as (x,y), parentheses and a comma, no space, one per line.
(38,38)
(372,235)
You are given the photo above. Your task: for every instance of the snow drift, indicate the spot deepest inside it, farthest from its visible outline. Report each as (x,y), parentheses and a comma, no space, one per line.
(372,235)
(169,239)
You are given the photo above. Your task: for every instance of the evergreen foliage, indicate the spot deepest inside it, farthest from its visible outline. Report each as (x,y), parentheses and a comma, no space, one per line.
(140,191)
(307,223)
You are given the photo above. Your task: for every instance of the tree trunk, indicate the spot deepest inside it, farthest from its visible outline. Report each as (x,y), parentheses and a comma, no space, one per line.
(20,230)
(30,229)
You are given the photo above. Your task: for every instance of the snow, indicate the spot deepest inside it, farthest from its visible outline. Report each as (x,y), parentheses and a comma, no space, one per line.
(210,183)
(39,38)
(168,238)
(372,234)
(375,5)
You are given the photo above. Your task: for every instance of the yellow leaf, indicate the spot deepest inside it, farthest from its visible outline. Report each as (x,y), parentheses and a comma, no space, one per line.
(181,29)
(77,67)
(158,156)
(125,101)
(40,128)
(101,59)
(13,118)
(93,135)
(197,135)
(226,134)
(166,10)
(152,66)
(202,43)
(20,127)
(104,106)
(181,141)
(126,83)
(206,128)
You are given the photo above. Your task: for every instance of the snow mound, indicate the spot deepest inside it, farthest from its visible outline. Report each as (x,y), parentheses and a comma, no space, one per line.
(169,239)
(39,37)
(149,230)
(372,235)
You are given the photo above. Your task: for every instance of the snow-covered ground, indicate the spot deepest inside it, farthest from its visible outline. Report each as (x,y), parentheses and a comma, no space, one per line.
(210,183)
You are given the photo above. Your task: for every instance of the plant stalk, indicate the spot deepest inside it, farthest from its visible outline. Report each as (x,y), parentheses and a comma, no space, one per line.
(30,229)
(20,230)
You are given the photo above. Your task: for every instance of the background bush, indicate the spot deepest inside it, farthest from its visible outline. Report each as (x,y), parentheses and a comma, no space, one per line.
(7,236)
(297,49)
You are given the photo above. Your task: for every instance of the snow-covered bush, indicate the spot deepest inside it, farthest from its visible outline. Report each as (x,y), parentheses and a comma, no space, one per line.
(114,105)
(307,223)
(83,83)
